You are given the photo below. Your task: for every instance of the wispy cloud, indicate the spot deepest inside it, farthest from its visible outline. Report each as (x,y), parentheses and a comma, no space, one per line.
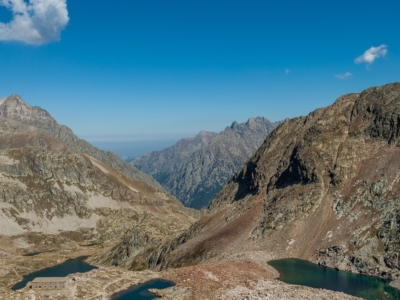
(34,22)
(344,76)
(371,54)
(287,71)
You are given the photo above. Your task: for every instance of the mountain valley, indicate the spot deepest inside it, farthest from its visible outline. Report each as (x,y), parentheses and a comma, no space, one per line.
(195,169)
(323,188)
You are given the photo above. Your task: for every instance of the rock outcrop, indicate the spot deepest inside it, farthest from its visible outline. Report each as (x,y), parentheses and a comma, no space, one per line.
(195,169)
(325,187)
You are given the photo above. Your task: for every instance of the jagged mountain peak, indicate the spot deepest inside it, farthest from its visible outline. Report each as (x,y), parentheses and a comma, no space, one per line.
(205,133)
(15,104)
(251,121)
(13,101)
(14,98)
(234,125)
(195,169)
(14,108)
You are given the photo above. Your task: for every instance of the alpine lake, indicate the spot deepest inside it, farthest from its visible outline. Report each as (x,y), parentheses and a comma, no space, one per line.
(78,265)
(140,292)
(301,272)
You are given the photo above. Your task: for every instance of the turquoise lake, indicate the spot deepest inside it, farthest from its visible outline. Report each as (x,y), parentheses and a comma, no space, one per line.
(139,292)
(301,272)
(68,267)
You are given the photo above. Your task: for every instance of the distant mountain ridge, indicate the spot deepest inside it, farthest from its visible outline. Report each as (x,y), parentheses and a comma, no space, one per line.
(14,108)
(195,169)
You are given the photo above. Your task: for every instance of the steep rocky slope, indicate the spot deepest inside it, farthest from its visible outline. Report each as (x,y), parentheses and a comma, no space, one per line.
(325,187)
(53,196)
(14,108)
(195,169)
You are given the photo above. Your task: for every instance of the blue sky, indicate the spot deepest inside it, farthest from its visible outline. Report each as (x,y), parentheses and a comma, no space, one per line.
(136,71)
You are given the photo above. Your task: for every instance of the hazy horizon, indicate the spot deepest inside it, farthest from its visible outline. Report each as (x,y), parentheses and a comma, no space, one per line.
(133,148)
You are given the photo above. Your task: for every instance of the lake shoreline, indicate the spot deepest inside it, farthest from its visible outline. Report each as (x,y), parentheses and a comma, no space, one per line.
(134,287)
(53,271)
(394,283)
(305,273)
(125,290)
(275,272)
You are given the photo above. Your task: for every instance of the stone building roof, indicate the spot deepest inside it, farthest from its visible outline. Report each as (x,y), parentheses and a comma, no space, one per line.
(49,279)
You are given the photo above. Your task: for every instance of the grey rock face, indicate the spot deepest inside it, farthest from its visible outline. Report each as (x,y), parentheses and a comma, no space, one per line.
(195,169)
(14,108)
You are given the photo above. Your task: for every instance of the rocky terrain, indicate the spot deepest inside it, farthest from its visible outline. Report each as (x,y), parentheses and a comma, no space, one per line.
(14,108)
(324,187)
(195,169)
(53,196)
(233,278)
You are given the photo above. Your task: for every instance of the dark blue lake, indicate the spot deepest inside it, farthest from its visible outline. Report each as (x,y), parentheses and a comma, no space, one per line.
(32,254)
(68,267)
(301,272)
(139,292)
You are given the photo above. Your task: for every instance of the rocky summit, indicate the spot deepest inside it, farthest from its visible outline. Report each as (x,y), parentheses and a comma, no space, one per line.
(195,169)
(324,187)
(14,108)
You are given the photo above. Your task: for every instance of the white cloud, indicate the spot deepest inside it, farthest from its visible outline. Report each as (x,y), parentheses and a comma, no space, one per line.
(35,22)
(287,71)
(371,54)
(344,76)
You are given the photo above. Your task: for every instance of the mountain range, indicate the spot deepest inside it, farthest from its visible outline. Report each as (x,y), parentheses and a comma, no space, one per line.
(323,187)
(195,169)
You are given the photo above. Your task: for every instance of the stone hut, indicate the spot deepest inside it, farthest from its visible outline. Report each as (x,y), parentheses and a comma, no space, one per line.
(49,283)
